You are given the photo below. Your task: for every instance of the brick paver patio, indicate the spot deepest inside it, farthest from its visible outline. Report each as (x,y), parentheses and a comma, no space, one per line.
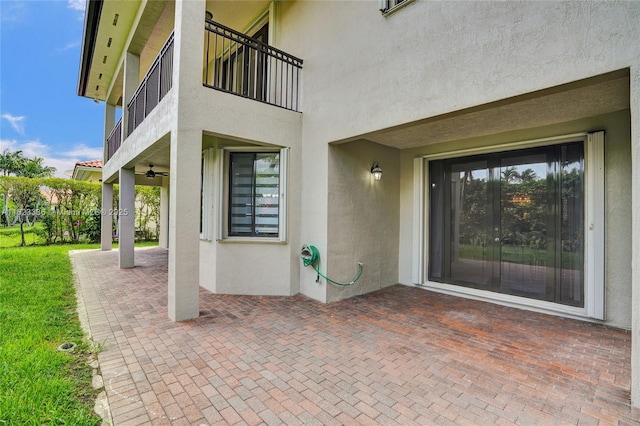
(398,356)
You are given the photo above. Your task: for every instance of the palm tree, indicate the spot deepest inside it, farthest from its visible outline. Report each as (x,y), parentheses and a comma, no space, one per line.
(15,163)
(34,168)
(510,174)
(10,163)
(528,175)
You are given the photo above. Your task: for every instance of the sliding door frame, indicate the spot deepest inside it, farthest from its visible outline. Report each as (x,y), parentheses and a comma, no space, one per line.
(594,221)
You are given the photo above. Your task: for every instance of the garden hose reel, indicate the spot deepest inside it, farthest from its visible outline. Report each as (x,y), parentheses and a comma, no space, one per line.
(310,256)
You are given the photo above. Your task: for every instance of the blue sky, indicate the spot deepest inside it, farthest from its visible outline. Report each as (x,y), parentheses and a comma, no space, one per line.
(41,114)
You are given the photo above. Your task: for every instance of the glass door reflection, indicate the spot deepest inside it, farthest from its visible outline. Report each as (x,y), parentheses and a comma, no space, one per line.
(510,222)
(471,247)
(525,252)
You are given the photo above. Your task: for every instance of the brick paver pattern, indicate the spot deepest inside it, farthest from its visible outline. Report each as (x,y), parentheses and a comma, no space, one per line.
(399,356)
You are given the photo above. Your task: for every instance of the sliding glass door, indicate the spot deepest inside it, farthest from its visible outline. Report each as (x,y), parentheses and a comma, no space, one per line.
(510,222)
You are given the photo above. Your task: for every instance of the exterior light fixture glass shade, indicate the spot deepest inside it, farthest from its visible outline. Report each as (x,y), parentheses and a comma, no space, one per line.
(209,15)
(376,171)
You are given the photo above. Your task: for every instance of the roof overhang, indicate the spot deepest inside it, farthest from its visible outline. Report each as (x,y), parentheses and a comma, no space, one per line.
(107,28)
(87,174)
(89,36)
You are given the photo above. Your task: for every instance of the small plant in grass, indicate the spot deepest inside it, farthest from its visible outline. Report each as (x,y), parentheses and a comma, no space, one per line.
(97,347)
(48,229)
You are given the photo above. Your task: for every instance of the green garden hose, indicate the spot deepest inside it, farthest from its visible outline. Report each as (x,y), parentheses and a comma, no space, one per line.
(311,256)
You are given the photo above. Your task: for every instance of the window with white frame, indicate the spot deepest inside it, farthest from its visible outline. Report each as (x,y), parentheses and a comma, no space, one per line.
(251,194)
(206,194)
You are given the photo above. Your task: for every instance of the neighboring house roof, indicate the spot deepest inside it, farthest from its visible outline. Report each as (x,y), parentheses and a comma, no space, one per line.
(91,163)
(90,171)
(51,197)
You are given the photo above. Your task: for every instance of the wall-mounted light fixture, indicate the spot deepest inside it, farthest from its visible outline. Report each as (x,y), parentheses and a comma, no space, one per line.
(376,171)
(209,16)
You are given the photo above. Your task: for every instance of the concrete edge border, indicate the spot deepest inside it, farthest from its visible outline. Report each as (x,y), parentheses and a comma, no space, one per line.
(101,406)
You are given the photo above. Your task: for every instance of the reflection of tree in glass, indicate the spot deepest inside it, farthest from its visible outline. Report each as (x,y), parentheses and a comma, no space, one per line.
(524,211)
(528,175)
(473,215)
(572,197)
(510,174)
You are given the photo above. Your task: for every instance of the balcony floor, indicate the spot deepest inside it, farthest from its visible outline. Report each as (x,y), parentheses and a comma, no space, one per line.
(397,356)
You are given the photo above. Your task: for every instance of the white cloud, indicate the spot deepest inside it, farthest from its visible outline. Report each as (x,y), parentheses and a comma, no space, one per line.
(69,46)
(29,149)
(63,161)
(86,152)
(13,12)
(77,4)
(17,122)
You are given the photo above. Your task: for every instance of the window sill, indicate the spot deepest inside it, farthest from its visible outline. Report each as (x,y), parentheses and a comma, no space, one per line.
(251,240)
(549,308)
(394,9)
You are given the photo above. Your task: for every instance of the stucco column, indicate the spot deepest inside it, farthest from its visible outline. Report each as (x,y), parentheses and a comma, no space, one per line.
(163,237)
(126,232)
(106,222)
(635,242)
(130,84)
(109,124)
(184,230)
(184,173)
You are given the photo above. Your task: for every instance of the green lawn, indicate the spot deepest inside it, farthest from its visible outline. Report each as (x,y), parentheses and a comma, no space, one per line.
(38,384)
(10,236)
(520,255)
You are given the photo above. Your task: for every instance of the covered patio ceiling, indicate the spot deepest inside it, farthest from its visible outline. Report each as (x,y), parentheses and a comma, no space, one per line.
(581,99)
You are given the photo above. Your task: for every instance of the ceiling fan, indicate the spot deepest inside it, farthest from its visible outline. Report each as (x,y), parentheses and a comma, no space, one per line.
(152,173)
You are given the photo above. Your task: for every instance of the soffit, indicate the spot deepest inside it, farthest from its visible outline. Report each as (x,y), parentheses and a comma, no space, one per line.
(586,98)
(147,37)
(238,15)
(110,41)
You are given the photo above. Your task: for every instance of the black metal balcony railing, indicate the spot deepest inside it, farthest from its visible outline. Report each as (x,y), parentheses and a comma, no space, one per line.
(244,66)
(155,85)
(114,140)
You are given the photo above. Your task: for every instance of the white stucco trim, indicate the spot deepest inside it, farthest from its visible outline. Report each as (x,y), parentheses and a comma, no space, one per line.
(594,229)
(420,217)
(595,224)
(219,193)
(282,210)
(208,184)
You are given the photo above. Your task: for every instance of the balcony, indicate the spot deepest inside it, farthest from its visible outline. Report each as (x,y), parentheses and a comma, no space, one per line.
(244,66)
(114,140)
(234,63)
(155,85)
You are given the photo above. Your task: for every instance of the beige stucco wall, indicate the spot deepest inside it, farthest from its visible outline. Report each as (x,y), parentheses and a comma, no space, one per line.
(255,268)
(635,231)
(363,219)
(617,189)
(364,72)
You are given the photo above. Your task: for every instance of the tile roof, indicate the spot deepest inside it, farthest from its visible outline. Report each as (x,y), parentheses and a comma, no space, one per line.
(92,163)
